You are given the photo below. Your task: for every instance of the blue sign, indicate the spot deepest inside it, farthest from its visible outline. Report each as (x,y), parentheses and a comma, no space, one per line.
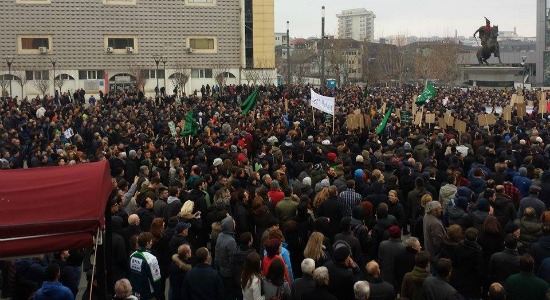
(331,83)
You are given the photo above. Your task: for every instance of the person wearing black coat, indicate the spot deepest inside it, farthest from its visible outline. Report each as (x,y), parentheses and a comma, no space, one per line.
(239,256)
(333,209)
(405,262)
(468,273)
(396,209)
(343,272)
(347,236)
(119,260)
(321,290)
(242,214)
(197,195)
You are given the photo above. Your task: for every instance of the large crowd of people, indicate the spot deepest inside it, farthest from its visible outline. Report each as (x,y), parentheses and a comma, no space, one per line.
(288,202)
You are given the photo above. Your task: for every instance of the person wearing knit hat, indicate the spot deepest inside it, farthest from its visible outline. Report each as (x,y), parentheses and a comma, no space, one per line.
(331,156)
(217,162)
(388,252)
(341,252)
(359,158)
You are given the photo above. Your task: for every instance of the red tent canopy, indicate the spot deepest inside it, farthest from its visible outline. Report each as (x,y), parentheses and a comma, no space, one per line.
(50,209)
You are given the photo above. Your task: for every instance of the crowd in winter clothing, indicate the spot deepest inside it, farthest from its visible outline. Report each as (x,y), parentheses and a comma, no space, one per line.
(278,204)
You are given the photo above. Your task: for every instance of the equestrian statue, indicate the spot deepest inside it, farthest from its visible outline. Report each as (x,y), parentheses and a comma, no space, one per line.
(489,45)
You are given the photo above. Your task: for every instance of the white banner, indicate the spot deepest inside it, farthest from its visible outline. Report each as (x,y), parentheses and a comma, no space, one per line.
(323,103)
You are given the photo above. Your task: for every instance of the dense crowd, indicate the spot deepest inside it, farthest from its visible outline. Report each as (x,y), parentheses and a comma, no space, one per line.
(288,203)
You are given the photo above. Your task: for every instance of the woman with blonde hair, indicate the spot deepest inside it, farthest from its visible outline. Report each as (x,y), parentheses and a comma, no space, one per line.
(316,250)
(186,215)
(417,224)
(320,197)
(379,176)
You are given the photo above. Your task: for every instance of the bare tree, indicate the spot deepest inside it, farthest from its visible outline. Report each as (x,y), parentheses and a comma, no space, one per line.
(4,84)
(265,73)
(251,75)
(139,73)
(42,84)
(181,76)
(59,81)
(220,73)
(300,64)
(21,78)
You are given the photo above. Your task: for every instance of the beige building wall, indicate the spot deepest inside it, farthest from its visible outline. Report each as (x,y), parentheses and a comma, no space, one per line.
(264,33)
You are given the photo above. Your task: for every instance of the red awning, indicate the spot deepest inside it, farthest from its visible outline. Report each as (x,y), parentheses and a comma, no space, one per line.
(50,209)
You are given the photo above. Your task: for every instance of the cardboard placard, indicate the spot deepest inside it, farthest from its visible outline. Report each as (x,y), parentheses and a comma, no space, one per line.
(397,113)
(539,95)
(367,120)
(384,108)
(460,126)
(450,120)
(418,118)
(442,123)
(516,99)
(521,109)
(543,106)
(430,118)
(530,103)
(507,113)
(486,119)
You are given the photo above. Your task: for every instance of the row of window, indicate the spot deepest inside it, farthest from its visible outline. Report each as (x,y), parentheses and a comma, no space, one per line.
(122,2)
(100,74)
(120,44)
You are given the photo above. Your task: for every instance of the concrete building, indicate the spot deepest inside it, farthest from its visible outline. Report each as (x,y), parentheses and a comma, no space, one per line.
(543,42)
(357,24)
(126,44)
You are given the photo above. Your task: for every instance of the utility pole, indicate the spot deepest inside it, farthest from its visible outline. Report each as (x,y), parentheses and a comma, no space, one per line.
(323,47)
(288,80)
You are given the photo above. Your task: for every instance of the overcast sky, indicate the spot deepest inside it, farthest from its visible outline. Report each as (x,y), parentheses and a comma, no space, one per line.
(409,17)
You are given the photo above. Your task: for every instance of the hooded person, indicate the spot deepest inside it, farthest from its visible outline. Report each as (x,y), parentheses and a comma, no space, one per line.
(458,213)
(226,247)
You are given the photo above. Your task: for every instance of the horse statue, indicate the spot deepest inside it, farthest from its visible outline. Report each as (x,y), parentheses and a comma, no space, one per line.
(489,44)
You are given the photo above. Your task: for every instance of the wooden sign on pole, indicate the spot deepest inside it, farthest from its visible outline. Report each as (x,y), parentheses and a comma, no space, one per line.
(442,123)
(450,120)
(543,106)
(418,118)
(521,109)
(384,108)
(430,118)
(486,119)
(530,103)
(460,126)
(507,113)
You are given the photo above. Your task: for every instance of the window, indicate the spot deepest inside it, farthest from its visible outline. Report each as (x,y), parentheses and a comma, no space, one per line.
(34,44)
(37,75)
(151,74)
(64,77)
(201,73)
(119,2)
(121,43)
(33,1)
(200,2)
(202,44)
(90,74)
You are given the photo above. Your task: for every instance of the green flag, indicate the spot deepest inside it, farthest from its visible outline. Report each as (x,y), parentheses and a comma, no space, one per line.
(250,102)
(191,126)
(384,122)
(428,93)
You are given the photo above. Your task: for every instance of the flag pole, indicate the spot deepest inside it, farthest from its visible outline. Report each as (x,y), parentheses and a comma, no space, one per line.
(333,122)
(313,115)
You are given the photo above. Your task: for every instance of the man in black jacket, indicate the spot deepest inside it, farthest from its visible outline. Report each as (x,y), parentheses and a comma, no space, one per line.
(347,236)
(343,272)
(304,284)
(468,266)
(197,195)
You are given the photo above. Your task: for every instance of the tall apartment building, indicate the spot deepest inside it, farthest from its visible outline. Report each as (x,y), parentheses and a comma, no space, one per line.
(120,44)
(357,24)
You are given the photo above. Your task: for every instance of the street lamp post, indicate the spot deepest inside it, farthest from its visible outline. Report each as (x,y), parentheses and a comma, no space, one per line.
(523,58)
(9,61)
(288,81)
(157,61)
(323,47)
(164,61)
(53,60)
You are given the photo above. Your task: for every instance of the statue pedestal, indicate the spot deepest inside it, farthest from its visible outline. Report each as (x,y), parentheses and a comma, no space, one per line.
(493,76)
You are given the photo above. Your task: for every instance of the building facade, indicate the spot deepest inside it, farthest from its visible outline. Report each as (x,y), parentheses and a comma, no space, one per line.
(357,24)
(126,44)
